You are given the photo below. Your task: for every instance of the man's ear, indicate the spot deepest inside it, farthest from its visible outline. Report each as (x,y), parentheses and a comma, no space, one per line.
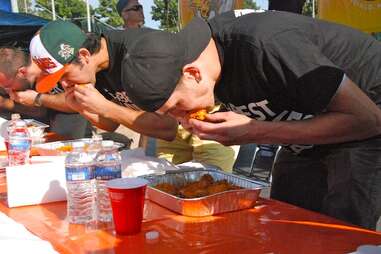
(192,71)
(21,72)
(84,55)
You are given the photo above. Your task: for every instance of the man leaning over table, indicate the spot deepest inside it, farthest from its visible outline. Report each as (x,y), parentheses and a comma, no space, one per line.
(77,60)
(17,77)
(288,79)
(186,146)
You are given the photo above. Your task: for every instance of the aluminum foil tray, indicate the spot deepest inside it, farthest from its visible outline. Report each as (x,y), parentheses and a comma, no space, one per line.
(222,202)
(53,148)
(36,129)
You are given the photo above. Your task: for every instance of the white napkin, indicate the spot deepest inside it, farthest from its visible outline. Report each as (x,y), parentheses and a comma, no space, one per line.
(136,163)
(41,181)
(15,238)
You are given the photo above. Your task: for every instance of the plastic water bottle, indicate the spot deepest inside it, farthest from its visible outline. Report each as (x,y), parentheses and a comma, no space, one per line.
(10,125)
(95,145)
(19,143)
(107,167)
(79,168)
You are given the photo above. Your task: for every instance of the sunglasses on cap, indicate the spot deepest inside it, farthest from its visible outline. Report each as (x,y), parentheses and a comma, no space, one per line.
(137,7)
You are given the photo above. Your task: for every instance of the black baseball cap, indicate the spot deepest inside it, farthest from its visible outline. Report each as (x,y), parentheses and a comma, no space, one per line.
(153,63)
(120,6)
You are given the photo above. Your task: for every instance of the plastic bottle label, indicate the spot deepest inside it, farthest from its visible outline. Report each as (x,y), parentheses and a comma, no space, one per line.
(107,172)
(79,174)
(19,144)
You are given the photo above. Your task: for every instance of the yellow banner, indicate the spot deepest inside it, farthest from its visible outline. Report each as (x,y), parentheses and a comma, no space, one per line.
(205,8)
(364,15)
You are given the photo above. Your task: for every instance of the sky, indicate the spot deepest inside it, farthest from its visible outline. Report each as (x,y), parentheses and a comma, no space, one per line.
(153,24)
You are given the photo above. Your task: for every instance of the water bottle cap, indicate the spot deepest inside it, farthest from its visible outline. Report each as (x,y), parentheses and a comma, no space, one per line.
(152,237)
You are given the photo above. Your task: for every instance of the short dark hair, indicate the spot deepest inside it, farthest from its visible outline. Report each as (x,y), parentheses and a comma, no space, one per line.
(92,44)
(11,59)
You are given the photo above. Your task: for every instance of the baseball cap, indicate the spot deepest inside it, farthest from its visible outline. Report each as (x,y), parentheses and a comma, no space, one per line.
(56,45)
(153,63)
(120,6)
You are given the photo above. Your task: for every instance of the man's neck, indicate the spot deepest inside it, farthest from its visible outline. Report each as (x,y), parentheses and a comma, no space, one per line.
(103,57)
(133,25)
(211,60)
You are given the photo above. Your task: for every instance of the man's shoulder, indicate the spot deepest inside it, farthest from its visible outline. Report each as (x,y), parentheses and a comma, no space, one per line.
(247,24)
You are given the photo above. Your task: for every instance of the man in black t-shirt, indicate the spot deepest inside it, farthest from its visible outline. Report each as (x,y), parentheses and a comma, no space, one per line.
(288,79)
(79,60)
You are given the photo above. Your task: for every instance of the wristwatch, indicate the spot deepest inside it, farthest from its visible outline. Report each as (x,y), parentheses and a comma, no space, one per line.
(37,101)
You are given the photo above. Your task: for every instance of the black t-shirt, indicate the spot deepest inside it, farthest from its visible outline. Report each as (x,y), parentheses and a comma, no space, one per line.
(109,82)
(281,66)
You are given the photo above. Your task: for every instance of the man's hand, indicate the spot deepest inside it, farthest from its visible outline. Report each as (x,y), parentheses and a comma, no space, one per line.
(71,101)
(6,104)
(227,128)
(85,98)
(90,99)
(26,97)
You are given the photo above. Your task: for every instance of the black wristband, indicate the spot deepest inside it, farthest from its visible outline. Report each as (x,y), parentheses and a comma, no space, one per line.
(37,101)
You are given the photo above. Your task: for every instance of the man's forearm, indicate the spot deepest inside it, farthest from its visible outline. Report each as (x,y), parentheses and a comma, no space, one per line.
(100,122)
(27,110)
(350,116)
(327,128)
(56,102)
(150,124)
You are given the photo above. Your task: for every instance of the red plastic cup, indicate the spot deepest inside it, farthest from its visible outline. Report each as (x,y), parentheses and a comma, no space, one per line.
(127,202)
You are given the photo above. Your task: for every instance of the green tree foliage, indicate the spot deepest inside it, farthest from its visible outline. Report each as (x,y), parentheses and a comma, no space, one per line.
(250,4)
(66,9)
(107,13)
(25,6)
(168,18)
(307,8)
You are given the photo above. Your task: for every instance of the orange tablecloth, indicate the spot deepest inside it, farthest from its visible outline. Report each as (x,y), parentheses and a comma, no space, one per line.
(270,227)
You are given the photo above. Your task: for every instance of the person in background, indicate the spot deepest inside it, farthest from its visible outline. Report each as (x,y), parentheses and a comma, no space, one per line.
(287,79)
(131,12)
(186,146)
(17,77)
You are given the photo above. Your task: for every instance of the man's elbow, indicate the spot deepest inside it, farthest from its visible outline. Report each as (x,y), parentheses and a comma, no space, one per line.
(167,132)
(377,123)
(168,136)
(371,125)
(109,128)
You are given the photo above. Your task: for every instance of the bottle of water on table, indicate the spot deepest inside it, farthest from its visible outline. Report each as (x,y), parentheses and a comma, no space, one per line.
(95,145)
(10,124)
(79,169)
(107,167)
(19,143)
